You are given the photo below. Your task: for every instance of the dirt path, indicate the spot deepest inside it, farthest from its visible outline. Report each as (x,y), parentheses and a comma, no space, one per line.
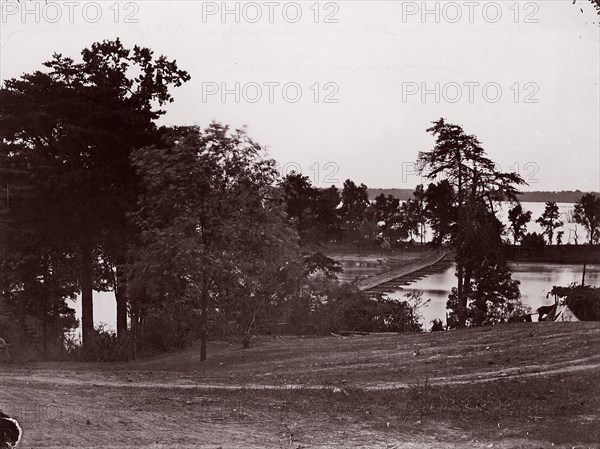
(99,380)
(301,393)
(75,415)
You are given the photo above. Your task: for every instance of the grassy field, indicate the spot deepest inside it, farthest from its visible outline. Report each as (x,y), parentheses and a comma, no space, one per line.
(530,385)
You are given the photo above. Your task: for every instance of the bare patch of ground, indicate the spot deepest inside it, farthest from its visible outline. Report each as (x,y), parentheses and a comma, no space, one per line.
(530,385)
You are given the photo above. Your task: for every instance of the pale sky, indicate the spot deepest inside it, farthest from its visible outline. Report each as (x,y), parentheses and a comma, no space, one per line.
(377,58)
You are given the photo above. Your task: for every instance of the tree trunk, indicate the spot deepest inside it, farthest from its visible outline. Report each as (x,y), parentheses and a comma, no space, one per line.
(468,273)
(460,272)
(462,310)
(45,330)
(135,327)
(462,302)
(49,291)
(203,331)
(87,306)
(584,265)
(121,298)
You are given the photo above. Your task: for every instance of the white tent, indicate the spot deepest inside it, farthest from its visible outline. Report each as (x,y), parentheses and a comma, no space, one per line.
(563,313)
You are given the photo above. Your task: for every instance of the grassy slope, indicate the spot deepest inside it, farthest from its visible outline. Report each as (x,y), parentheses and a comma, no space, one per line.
(522,385)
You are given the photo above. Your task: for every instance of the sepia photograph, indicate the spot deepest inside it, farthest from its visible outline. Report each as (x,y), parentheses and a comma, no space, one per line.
(309,224)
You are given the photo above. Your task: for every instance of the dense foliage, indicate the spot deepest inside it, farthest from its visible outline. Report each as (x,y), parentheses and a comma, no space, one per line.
(587,213)
(196,234)
(334,307)
(213,232)
(518,222)
(485,291)
(533,240)
(550,220)
(70,131)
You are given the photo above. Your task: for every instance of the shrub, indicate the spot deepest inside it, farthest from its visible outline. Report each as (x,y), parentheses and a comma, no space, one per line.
(437,325)
(347,308)
(170,326)
(533,240)
(103,347)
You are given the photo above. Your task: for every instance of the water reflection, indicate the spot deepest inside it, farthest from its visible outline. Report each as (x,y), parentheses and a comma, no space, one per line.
(537,279)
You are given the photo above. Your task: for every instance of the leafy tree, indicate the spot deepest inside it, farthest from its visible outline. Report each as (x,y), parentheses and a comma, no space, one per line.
(411,216)
(313,211)
(574,231)
(39,286)
(533,240)
(368,229)
(308,277)
(387,214)
(73,127)
(414,214)
(213,227)
(440,205)
(387,208)
(460,159)
(518,222)
(299,199)
(327,219)
(549,220)
(420,210)
(437,325)
(342,307)
(495,296)
(319,262)
(595,3)
(492,295)
(355,200)
(587,213)
(37,270)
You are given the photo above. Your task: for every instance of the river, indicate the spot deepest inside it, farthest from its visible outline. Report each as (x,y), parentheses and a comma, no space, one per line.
(536,279)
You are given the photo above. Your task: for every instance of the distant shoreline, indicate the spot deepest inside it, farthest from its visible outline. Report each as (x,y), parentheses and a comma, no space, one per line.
(570,254)
(566,196)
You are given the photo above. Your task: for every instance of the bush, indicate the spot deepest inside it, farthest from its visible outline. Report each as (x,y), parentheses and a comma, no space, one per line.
(105,347)
(437,325)
(533,240)
(171,326)
(347,308)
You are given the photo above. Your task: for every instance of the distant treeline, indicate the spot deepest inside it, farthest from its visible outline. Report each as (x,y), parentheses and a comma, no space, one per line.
(565,196)
(574,254)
